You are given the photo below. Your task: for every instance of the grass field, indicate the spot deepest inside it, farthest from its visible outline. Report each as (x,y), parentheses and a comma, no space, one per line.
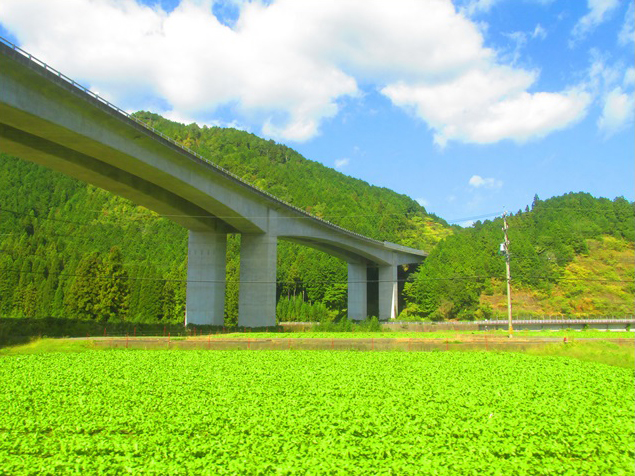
(313,412)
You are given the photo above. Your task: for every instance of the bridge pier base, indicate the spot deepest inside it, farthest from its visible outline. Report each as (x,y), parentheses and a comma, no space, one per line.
(388,292)
(357,292)
(257,295)
(205,294)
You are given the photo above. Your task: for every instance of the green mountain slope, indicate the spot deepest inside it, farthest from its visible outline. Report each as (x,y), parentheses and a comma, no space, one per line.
(61,240)
(570,256)
(597,283)
(351,203)
(68,249)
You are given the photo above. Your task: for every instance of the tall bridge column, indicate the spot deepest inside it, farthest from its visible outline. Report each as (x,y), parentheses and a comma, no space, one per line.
(257,296)
(205,295)
(357,292)
(388,292)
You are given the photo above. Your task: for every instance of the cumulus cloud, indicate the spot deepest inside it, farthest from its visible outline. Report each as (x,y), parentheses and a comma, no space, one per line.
(286,66)
(477,181)
(188,58)
(489,105)
(599,11)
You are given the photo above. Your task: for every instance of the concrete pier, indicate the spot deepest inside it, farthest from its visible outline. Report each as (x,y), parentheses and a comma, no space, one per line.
(388,292)
(257,295)
(357,292)
(49,119)
(205,295)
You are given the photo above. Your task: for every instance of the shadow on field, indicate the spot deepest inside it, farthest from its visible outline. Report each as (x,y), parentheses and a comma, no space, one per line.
(16,331)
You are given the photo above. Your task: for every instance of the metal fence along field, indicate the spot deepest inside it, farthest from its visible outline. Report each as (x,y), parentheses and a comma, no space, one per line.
(366,342)
(313,412)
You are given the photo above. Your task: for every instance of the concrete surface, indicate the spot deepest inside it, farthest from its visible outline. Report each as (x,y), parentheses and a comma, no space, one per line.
(48,120)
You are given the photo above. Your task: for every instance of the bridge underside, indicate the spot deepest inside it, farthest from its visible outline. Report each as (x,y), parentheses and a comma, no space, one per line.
(207,241)
(47,120)
(257,294)
(90,170)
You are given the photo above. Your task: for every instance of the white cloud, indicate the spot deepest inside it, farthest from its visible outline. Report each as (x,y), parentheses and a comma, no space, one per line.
(602,75)
(599,11)
(613,87)
(188,57)
(485,106)
(618,111)
(520,41)
(627,33)
(539,32)
(286,65)
(473,7)
(423,202)
(477,181)
(176,117)
(341,163)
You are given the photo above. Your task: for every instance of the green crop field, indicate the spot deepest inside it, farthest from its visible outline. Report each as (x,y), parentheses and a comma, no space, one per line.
(313,412)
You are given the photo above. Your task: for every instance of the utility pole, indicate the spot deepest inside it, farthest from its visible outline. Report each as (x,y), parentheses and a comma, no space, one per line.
(505,250)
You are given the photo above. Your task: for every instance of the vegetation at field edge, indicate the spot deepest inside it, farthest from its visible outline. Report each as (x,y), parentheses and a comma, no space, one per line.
(592,350)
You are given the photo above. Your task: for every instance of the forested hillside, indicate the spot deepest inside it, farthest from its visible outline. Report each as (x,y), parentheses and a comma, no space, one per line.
(570,256)
(351,203)
(69,249)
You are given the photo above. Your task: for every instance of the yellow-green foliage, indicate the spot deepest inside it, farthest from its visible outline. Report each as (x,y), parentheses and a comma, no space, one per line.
(43,346)
(602,351)
(423,233)
(599,283)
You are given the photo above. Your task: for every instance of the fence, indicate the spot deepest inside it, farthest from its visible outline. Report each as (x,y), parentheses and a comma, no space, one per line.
(484,343)
(520,324)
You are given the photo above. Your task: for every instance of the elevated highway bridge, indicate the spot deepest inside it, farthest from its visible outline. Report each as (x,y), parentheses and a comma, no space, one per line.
(49,119)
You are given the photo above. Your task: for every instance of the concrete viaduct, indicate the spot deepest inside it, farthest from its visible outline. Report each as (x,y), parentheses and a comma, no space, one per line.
(47,118)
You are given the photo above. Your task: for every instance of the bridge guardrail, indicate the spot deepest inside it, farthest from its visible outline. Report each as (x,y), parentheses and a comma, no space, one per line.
(151,129)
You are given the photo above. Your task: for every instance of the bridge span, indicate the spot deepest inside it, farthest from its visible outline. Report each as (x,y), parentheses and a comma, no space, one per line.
(49,119)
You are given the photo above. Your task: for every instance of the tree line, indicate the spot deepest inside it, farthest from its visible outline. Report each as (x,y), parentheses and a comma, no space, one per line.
(545,239)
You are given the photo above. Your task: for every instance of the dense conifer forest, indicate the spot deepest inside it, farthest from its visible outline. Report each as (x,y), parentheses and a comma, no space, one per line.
(570,256)
(68,249)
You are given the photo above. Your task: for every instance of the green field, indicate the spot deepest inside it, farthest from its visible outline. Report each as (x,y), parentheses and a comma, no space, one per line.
(313,412)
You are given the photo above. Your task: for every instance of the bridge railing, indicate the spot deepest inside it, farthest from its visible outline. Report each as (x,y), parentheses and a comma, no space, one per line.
(151,129)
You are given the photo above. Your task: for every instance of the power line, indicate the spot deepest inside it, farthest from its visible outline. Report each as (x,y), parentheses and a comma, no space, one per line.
(158,216)
(305,283)
(14,212)
(488,215)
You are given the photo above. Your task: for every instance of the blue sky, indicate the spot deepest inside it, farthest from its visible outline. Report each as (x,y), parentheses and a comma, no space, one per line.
(471,107)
